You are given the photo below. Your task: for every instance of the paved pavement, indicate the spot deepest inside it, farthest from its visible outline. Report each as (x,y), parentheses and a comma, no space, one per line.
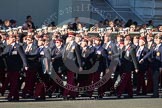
(137,102)
(85,102)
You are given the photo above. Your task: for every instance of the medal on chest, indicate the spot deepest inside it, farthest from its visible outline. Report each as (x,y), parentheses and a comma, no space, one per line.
(15,51)
(73,48)
(109,52)
(158,54)
(127,53)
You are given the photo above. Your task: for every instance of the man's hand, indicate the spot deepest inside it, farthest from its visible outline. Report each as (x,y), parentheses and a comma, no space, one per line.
(141,61)
(136,70)
(53,59)
(160,69)
(5,69)
(26,68)
(107,70)
(41,53)
(80,69)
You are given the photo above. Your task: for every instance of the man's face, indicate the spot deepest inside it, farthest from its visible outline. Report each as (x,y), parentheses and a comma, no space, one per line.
(46,43)
(84,44)
(15,32)
(107,38)
(157,41)
(142,34)
(77,39)
(90,43)
(126,42)
(160,28)
(97,42)
(141,42)
(40,33)
(7,23)
(58,43)
(149,31)
(10,33)
(118,39)
(40,43)
(70,38)
(132,29)
(135,40)
(3,37)
(29,41)
(12,39)
(149,39)
(111,24)
(30,19)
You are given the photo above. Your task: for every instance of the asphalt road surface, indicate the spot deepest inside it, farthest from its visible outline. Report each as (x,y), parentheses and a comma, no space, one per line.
(107,102)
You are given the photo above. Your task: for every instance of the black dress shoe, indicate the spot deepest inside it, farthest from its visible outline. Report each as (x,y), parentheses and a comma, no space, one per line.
(65,98)
(100,97)
(154,96)
(27,96)
(15,99)
(119,97)
(144,93)
(39,99)
(72,97)
(128,97)
(50,95)
(9,99)
(2,94)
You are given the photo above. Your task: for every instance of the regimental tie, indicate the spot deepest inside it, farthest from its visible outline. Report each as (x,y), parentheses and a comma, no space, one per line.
(156,48)
(40,49)
(28,48)
(67,47)
(11,49)
(138,53)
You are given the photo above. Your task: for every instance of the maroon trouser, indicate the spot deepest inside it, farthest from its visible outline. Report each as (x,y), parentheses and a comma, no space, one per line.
(125,84)
(58,86)
(4,86)
(29,82)
(160,79)
(94,77)
(13,78)
(52,86)
(40,90)
(141,83)
(109,85)
(85,81)
(70,81)
(149,80)
(2,76)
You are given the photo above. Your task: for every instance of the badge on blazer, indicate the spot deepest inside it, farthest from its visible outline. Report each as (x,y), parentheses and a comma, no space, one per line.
(14,52)
(42,53)
(98,52)
(72,49)
(109,52)
(158,54)
(127,53)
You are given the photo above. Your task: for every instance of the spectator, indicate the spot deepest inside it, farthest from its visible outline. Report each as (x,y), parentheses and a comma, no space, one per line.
(28,23)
